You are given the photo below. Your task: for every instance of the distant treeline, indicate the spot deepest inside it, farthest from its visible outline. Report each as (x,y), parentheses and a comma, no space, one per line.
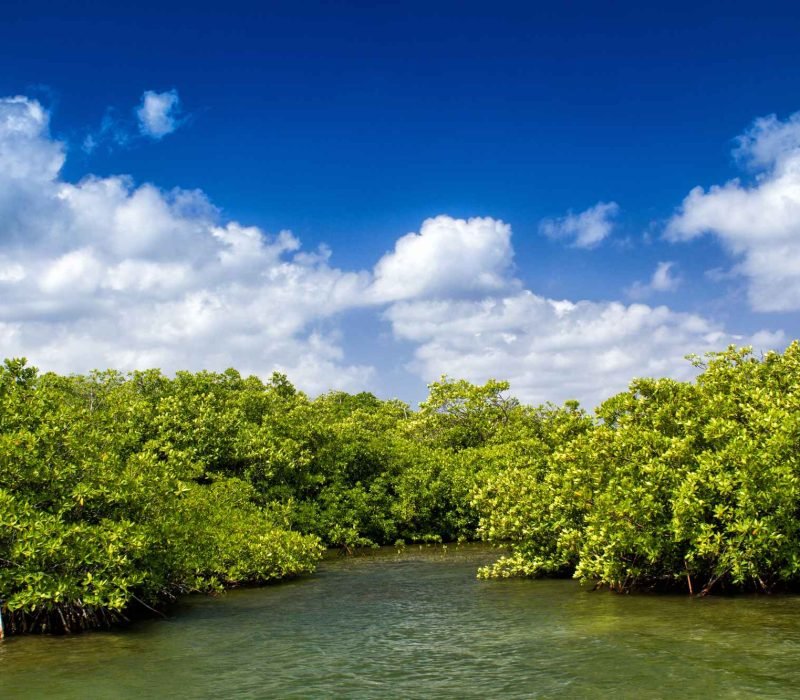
(120,492)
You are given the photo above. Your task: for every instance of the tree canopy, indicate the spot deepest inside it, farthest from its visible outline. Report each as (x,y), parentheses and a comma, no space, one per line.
(120,492)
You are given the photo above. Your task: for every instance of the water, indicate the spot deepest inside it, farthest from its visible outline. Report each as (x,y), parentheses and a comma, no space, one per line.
(419,625)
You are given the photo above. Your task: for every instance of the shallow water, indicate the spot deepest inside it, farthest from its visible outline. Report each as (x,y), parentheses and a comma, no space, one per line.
(419,625)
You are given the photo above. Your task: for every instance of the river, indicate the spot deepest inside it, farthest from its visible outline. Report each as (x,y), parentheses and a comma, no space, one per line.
(418,624)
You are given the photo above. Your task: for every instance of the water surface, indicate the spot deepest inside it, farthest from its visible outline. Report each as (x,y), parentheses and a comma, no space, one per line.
(419,625)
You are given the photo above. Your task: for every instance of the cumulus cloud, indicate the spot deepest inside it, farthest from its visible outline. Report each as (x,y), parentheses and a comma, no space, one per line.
(768,141)
(586,229)
(554,349)
(159,113)
(662,280)
(105,272)
(759,224)
(448,257)
(24,155)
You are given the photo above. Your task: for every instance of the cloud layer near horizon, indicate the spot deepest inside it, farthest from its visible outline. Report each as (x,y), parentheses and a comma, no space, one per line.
(108,273)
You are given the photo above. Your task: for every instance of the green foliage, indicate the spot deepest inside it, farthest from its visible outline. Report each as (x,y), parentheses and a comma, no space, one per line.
(118,493)
(536,493)
(458,414)
(678,484)
(106,503)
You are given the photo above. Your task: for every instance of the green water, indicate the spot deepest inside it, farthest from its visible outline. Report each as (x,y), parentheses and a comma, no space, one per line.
(419,625)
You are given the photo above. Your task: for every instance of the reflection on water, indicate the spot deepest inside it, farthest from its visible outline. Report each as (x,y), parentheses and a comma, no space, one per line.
(420,625)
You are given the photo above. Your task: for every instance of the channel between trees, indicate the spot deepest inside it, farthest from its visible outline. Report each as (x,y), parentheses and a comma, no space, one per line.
(120,492)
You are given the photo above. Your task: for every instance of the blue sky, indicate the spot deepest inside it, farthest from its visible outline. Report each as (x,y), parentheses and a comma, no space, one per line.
(581,127)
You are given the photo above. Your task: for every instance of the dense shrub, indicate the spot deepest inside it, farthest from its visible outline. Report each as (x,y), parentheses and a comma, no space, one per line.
(120,492)
(694,485)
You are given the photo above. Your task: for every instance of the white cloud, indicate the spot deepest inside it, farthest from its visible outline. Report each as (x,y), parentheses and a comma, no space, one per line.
(556,350)
(759,223)
(107,273)
(158,113)
(448,257)
(586,229)
(769,141)
(26,157)
(662,280)
(104,273)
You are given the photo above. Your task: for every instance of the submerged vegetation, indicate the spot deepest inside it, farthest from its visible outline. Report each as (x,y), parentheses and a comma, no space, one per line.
(119,492)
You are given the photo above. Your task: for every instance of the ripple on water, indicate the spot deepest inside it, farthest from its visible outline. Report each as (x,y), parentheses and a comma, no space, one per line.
(419,625)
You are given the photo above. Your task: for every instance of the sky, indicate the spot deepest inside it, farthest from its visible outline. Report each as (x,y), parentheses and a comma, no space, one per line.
(366,196)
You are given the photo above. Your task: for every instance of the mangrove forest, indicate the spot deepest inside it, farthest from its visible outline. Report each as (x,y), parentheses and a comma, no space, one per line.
(121,492)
